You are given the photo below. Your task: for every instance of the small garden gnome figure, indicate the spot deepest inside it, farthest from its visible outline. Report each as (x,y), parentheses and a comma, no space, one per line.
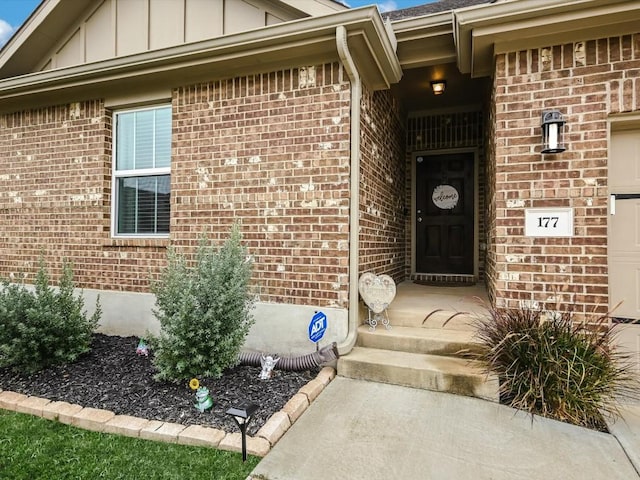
(268,364)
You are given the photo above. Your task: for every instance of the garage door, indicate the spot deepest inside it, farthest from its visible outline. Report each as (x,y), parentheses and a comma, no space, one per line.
(624,235)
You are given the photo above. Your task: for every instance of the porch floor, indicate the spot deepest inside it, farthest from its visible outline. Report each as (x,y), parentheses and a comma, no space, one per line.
(438,307)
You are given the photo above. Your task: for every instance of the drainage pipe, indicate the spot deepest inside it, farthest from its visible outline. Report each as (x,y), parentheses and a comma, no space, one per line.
(300,363)
(354,187)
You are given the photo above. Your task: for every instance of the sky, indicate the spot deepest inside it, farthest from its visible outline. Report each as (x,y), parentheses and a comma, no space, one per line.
(14,12)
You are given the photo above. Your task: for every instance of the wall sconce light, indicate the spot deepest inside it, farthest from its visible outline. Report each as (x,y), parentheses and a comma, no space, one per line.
(552,132)
(242,416)
(438,86)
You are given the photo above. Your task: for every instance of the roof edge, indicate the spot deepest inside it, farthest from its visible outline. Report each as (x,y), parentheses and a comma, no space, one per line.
(277,43)
(478,29)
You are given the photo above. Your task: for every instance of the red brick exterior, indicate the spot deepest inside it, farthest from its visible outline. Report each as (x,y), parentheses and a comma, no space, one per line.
(586,89)
(490,205)
(382,186)
(271,150)
(55,191)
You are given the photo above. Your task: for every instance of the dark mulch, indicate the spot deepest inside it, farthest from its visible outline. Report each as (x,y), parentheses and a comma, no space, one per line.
(113,377)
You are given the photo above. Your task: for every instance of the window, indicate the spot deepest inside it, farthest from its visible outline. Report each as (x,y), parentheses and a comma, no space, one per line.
(142,172)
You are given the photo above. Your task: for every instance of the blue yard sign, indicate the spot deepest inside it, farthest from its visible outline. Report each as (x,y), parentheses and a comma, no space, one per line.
(317,327)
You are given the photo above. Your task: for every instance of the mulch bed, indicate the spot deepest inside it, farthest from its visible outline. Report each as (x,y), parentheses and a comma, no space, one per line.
(113,377)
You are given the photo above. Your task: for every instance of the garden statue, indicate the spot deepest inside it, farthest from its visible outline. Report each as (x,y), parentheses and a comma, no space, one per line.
(268,364)
(203,399)
(377,291)
(143,348)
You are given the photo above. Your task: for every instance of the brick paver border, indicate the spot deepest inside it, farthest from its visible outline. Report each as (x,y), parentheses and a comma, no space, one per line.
(106,421)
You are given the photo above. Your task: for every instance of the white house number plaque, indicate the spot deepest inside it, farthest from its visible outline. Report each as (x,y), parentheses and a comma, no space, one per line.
(548,222)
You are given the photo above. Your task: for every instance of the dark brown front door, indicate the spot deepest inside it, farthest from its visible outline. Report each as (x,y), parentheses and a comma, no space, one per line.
(444,213)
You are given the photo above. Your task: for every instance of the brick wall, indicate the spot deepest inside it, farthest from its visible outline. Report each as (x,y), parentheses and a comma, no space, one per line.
(271,150)
(587,81)
(490,201)
(55,194)
(382,186)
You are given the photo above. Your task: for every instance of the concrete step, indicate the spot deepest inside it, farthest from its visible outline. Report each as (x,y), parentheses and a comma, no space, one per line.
(429,372)
(433,341)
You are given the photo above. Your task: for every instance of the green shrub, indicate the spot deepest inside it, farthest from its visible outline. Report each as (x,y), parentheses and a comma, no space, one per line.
(555,367)
(204,310)
(45,326)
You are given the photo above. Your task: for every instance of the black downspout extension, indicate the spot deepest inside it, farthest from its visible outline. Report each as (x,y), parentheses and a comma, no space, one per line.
(299,363)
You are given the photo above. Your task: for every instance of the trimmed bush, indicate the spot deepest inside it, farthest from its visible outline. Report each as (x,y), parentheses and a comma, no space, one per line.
(555,367)
(204,310)
(45,326)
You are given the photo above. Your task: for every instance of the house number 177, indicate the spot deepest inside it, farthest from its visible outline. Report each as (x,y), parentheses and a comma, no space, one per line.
(548,222)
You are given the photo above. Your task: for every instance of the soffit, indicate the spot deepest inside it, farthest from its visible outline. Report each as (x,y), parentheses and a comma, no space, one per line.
(38,33)
(315,7)
(483,31)
(424,41)
(302,42)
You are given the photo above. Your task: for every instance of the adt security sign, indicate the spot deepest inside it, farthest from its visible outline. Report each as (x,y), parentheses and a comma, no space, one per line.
(317,327)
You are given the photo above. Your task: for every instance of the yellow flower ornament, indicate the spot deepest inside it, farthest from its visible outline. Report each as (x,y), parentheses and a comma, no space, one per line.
(194,384)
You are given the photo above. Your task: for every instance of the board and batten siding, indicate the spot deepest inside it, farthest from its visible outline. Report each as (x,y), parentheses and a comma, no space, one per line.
(115,28)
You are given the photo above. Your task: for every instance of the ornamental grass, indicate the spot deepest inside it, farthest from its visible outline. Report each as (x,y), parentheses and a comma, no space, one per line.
(551,366)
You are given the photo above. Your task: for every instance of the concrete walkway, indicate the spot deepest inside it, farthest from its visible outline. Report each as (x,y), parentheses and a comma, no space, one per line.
(627,430)
(365,430)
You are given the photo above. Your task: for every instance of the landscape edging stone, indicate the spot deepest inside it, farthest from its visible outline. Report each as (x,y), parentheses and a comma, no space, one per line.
(170,432)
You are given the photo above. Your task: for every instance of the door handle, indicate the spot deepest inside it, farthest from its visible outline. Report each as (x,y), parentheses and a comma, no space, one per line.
(612,204)
(626,196)
(620,196)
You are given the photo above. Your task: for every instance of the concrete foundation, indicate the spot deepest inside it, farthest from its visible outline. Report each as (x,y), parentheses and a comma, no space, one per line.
(278,328)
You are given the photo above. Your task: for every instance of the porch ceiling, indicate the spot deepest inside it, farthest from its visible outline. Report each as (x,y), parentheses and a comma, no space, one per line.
(426,52)
(414,90)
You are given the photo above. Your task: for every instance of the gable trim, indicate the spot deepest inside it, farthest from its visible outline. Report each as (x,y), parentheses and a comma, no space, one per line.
(301,42)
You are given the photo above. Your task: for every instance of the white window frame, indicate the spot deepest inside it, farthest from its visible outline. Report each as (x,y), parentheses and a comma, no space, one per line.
(117,174)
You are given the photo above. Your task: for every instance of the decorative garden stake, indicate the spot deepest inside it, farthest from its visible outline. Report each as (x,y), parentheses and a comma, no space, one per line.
(268,364)
(143,348)
(203,399)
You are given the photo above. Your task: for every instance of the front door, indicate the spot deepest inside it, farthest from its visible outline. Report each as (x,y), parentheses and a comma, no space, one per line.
(444,217)
(624,237)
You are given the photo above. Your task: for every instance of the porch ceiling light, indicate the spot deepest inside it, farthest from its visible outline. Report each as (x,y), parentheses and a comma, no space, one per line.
(438,86)
(242,415)
(553,132)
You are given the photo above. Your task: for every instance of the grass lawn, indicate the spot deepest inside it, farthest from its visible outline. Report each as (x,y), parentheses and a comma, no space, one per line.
(35,448)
